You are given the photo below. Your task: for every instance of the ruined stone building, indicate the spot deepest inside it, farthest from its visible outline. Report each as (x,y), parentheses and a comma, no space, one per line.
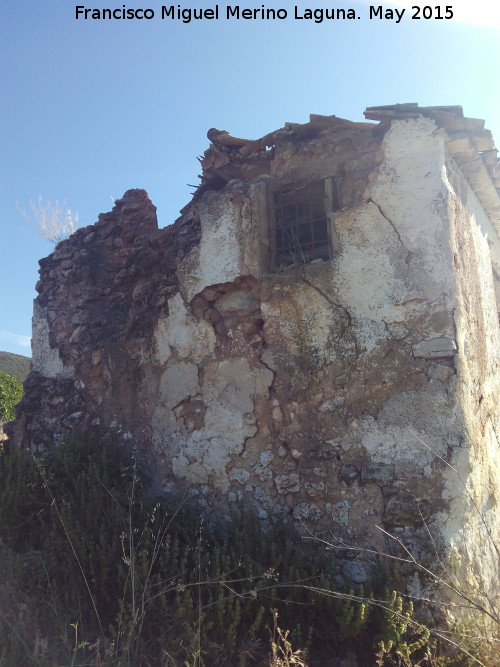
(316,337)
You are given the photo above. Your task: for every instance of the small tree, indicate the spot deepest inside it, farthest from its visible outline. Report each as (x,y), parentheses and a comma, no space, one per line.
(11,392)
(52,221)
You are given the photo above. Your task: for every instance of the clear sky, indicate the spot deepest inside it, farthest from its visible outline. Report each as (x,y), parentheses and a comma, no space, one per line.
(91,108)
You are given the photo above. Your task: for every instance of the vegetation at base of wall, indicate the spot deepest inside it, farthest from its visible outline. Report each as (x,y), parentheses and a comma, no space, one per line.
(93,572)
(11,392)
(15,365)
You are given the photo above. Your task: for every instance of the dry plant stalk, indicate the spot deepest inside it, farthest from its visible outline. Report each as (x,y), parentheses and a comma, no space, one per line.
(283,654)
(52,221)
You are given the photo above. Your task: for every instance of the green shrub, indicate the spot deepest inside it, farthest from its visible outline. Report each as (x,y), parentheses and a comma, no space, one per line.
(402,636)
(11,392)
(94,572)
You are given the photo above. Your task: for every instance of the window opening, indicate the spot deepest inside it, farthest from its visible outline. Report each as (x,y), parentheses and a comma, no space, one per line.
(300,230)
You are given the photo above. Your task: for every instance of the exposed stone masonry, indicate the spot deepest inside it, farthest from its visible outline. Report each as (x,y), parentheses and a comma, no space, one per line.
(100,294)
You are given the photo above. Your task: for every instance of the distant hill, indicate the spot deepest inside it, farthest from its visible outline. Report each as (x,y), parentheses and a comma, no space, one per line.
(15,364)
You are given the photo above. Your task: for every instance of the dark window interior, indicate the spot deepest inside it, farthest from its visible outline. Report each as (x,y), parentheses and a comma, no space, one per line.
(300,225)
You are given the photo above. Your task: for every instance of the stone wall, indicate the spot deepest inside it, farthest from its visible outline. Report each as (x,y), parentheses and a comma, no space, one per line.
(341,395)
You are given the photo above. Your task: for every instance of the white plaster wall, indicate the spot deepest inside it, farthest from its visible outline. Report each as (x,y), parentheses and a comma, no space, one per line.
(413,429)
(365,276)
(394,250)
(229,244)
(46,359)
(181,333)
(299,321)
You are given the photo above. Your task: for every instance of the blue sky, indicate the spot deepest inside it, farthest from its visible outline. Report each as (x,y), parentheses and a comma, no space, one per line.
(93,108)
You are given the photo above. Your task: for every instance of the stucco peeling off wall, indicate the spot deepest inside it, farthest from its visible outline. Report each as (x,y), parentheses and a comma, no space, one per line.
(205,410)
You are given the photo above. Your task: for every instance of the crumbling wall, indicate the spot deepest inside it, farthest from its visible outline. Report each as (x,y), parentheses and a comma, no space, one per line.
(332,394)
(100,295)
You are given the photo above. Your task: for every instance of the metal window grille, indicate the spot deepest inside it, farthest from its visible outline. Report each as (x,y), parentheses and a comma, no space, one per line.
(299,231)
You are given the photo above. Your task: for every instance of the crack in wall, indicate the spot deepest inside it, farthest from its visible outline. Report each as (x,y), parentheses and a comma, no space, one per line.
(331,302)
(409,252)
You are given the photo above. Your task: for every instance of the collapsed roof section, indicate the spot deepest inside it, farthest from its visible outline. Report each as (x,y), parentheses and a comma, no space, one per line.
(467,141)
(229,157)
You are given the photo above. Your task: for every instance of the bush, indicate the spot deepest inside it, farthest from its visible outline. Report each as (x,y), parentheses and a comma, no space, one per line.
(94,572)
(11,392)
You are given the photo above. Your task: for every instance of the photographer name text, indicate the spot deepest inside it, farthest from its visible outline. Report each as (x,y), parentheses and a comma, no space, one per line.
(186,15)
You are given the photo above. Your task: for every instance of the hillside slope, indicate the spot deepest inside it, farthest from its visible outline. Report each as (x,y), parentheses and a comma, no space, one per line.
(15,364)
